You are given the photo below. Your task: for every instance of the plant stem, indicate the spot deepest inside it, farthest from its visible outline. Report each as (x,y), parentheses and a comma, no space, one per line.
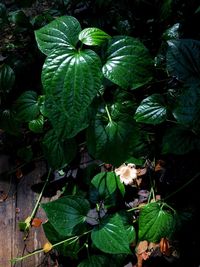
(40,196)
(108,113)
(26,256)
(183,186)
(74,238)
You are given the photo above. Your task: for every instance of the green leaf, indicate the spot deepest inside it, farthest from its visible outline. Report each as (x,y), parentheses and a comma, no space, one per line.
(8,122)
(172,32)
(166,9)
(107,183)
(27,107)
(109,143)
(2,11)
(128,225)
(71,80)
(155,222)
(69,248)
(67,212)
(128,62)
(58,152)
(179,140)
(111,236)
(95,261)
(25,225)
(151,110)
(60,33)
(93,36)
(123,139)
(183,60)
(187,110)
(36,125)
(7,78)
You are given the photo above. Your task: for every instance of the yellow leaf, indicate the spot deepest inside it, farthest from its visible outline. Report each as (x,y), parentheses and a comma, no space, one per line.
(47,247)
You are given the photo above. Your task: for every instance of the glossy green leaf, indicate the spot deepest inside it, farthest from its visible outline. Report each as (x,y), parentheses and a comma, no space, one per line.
(58,152)
(128,140)
(110,236)
(151,110)
(60,33)
(95,261)
(93,36)
(69,248)
(172,32)
(109,143)
(71,80)
(107,183)
(37,124)
(155,222)
(183,60)
(128,62)
(179,140)
(187,110)
(27,107)
(128,225)
(7,78)
(67,212)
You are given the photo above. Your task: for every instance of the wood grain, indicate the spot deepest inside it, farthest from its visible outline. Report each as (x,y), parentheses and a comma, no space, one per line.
(18,205)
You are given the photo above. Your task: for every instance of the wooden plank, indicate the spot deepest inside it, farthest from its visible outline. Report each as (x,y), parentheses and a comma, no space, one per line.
(16,207)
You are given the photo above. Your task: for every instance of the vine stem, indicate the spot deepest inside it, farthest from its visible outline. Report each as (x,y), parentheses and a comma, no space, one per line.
(108,113)
(74,238)
(40,196)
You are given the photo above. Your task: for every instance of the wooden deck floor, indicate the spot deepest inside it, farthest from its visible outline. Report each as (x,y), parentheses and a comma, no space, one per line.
(16,207)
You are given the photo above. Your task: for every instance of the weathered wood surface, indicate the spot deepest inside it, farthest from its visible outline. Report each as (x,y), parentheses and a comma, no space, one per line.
(16,207)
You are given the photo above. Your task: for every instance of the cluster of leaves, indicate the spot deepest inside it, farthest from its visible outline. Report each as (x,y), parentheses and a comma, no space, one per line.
(122,98)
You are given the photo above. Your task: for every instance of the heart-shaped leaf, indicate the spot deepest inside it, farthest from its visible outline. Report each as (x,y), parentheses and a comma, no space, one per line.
(155,222)
(151,110)
(67,212)
(37,124)
(7,78)
(116,140)
(93,36)
(183,60)
(71,80)
(187,109)
(107,183)
(110,236)
(60,33)
(128,62)
(27,107)
(58,152)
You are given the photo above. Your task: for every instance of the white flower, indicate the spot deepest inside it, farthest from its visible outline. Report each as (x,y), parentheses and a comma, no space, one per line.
(127,173)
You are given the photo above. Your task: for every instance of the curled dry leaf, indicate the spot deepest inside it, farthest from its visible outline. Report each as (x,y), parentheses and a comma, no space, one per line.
(142,247)
(19,173)
(164,246)
(160,165)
